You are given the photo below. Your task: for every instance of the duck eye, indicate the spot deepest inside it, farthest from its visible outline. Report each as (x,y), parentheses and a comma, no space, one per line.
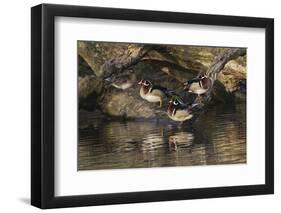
(175,103)
(203,76)
(146,83)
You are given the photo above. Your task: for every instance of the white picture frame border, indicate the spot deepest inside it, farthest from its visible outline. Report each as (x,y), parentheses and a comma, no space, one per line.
(68,181)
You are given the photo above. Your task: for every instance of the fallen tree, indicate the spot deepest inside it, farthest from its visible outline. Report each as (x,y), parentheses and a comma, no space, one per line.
(155,62)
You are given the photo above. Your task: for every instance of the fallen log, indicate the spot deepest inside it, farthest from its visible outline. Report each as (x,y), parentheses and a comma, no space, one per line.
(95,93)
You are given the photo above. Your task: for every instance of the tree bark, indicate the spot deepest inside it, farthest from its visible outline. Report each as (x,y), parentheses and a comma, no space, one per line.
(104,60)
(222,59)
(218,65)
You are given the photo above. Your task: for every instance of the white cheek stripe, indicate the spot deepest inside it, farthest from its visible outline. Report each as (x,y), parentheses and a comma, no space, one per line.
(200,84)
(174,112)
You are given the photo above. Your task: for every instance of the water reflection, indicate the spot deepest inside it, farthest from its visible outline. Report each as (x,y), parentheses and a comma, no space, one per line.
(180,140)
(218,137)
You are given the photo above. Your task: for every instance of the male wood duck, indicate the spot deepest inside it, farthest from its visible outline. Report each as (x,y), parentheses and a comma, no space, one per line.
(152,93)
(124,80)
(199,85)
(179,111)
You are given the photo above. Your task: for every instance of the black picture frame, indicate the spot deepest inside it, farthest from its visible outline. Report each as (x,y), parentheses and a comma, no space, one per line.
(43,117)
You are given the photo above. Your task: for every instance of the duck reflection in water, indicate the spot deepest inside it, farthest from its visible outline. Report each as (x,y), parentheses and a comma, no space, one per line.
(180,140)
(115,144)
(153,141)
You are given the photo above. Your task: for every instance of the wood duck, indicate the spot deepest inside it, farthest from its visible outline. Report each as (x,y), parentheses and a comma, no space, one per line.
(179,111)
(124,80)
(199,85)
(152,93)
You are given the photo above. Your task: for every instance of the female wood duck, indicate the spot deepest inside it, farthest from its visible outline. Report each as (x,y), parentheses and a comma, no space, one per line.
(199,85)
(179,111)
(152,93)
(124,80)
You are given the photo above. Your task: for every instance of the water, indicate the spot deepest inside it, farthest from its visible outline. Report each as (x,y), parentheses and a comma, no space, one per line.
(217,137)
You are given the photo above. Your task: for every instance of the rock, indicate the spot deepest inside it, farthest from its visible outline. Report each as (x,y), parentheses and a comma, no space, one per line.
(90,88)
(127,104)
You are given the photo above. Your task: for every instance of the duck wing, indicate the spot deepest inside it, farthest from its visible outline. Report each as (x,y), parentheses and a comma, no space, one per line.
(194,80)
(167,92)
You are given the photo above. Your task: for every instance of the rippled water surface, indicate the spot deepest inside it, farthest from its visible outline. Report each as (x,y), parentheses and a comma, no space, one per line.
(217,137)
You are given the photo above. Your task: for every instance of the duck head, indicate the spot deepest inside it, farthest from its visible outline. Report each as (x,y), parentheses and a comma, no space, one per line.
(174,104)
(146,85)
(200,77)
